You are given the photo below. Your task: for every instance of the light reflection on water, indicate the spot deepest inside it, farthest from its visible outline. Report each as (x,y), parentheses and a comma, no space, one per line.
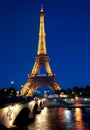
(61,119)
(79,123)
(41,121)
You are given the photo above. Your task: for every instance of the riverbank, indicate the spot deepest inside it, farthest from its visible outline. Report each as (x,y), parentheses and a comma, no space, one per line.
(71,103)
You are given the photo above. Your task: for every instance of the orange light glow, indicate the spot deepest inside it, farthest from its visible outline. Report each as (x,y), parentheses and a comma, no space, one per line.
(76,98)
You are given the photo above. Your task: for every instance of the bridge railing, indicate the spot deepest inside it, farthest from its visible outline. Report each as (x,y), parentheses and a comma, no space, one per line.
(8,100)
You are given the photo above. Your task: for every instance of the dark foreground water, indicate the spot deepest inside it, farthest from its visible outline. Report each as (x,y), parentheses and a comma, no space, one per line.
(60,119)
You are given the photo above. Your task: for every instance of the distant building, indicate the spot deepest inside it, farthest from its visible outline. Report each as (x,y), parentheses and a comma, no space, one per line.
(62,95)
(45,94)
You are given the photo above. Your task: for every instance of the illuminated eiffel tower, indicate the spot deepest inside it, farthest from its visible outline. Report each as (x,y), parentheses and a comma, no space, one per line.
(36,79)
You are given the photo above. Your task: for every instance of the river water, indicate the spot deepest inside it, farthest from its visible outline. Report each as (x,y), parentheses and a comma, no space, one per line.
(61,119)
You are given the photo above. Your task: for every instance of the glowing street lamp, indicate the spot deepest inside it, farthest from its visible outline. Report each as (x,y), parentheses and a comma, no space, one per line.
(21,86)
(12,82)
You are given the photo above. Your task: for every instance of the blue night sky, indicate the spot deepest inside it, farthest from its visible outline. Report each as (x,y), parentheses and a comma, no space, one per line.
(67,27)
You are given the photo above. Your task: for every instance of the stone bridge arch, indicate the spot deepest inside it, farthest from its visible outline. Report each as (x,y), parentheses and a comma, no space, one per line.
(22,118)
(9,114)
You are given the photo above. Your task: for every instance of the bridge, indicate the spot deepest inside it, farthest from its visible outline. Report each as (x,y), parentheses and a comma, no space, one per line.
(11,114)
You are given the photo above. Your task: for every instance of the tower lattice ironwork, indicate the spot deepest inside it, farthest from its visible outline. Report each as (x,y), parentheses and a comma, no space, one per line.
(35,79)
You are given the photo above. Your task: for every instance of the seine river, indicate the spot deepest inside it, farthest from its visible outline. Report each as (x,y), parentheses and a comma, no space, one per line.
(60,119)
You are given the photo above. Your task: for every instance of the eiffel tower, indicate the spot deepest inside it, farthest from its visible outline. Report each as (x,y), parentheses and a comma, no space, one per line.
(35,79)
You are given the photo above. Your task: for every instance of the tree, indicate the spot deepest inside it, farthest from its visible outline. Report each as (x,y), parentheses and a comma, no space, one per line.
(12,91)
(3,92)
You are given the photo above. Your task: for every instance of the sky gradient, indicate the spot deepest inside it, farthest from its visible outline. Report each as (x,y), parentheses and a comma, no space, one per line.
(67,27)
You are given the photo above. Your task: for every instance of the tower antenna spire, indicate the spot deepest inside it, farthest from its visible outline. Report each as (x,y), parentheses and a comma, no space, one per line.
(41,7)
